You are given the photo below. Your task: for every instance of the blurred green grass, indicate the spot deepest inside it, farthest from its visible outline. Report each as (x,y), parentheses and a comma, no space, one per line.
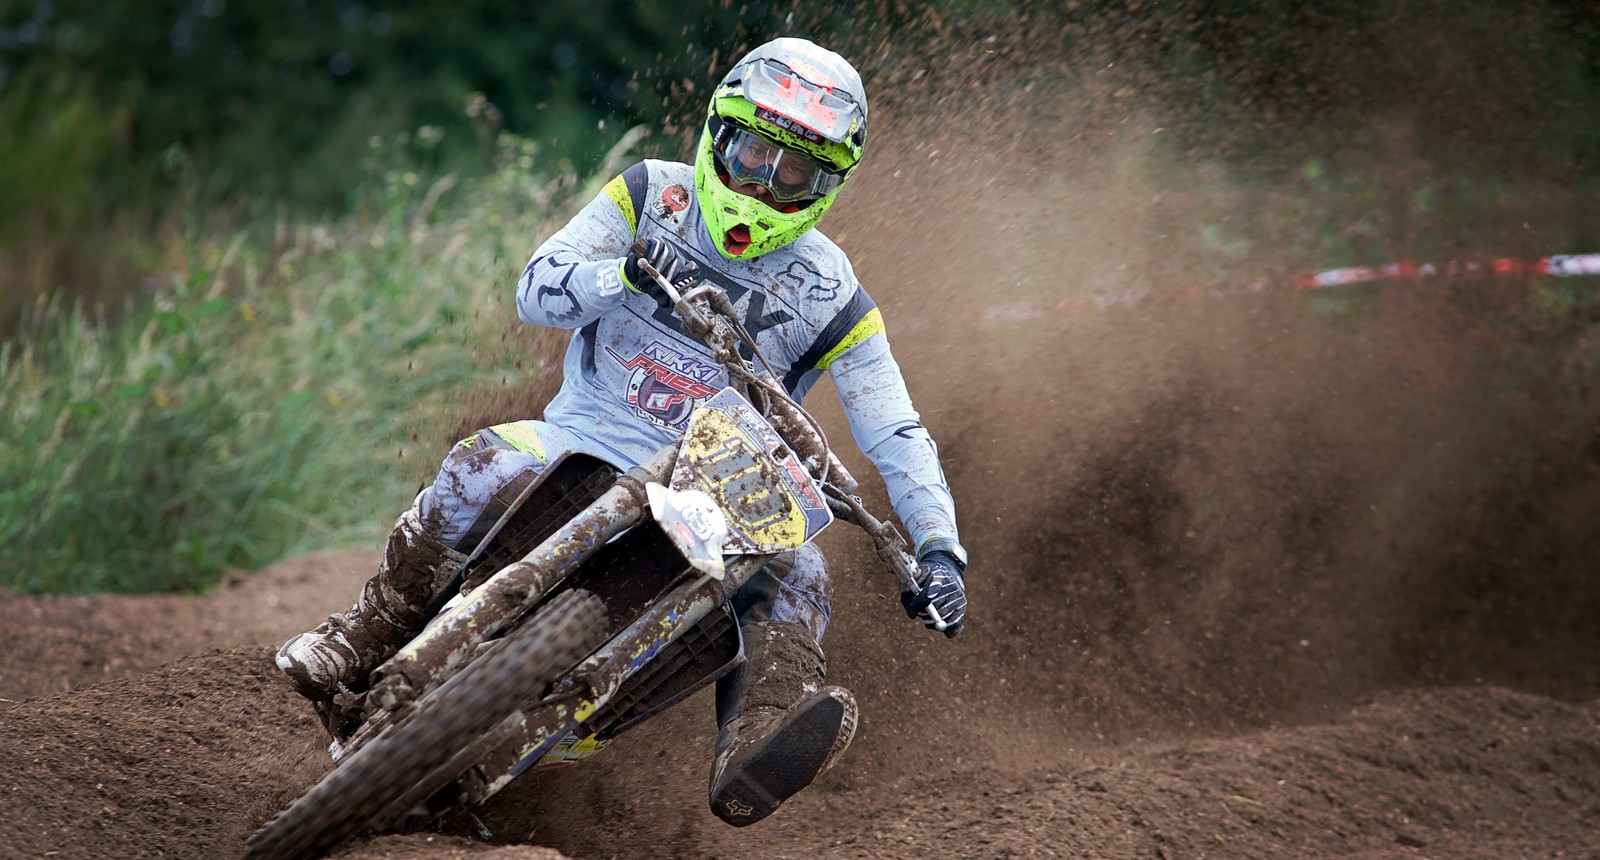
(277,392)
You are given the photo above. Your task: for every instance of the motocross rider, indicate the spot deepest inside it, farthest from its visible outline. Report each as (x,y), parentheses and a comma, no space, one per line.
(785,129)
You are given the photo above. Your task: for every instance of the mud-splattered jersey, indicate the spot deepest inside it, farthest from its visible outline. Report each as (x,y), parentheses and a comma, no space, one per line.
(632,375)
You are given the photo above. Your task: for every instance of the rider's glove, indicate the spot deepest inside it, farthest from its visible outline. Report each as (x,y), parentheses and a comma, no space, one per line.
(943,598)
(668,260)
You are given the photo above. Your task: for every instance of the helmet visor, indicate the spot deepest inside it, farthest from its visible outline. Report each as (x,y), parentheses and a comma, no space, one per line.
(785,99)
(791,176)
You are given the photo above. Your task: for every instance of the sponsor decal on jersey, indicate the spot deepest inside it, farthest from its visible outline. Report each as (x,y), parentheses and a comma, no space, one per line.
(665,385)
(551,299)
(609,283)
(674,198)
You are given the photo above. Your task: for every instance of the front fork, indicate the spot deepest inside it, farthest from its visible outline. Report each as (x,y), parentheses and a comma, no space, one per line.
(559,729)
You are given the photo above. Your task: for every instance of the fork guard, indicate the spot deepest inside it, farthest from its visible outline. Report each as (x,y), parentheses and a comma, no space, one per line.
(664,657)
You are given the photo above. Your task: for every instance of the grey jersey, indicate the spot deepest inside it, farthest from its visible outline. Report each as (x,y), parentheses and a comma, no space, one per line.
(632,375)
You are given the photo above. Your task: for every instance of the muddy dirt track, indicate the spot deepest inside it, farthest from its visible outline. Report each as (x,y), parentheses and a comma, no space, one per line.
(167,746)
(1250,578)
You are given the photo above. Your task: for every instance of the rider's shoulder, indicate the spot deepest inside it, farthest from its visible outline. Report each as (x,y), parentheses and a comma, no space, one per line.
(666,173)
(812,276)
(820,254)
(657,191)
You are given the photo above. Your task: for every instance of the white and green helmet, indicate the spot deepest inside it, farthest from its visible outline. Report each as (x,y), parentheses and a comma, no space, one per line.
(791,117)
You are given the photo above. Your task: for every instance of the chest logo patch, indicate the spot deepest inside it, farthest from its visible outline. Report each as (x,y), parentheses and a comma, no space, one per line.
(665,385)
(802,276)
(674,198)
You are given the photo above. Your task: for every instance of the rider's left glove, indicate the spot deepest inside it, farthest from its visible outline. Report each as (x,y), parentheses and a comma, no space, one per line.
(676,268)
(941,604)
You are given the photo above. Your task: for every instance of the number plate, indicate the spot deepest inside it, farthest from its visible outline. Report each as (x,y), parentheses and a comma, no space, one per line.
(733,455)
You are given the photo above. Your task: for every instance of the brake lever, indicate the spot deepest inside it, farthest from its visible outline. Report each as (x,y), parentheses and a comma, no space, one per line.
(887,541)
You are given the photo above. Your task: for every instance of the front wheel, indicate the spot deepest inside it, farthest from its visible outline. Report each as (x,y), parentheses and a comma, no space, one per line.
(348,798)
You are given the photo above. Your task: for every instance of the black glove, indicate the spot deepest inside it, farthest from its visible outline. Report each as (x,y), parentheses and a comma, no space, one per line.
(668,260)
(943,596)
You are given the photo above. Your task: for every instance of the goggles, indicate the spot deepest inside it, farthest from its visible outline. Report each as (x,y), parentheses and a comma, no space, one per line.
(791,176)
(799,106)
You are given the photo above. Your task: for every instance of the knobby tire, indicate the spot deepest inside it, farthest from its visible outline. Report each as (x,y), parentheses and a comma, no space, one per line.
(346,800)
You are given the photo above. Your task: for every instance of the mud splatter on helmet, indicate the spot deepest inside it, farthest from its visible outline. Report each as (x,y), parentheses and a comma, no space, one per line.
(791,117)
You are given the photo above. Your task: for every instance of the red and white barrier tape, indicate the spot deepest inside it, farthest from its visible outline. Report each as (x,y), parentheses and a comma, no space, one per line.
(1555,266)
(1559,266)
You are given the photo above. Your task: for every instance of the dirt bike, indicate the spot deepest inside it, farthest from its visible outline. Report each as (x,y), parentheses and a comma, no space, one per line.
(597,601)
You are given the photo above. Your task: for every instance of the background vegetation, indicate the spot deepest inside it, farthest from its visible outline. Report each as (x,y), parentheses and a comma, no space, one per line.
(247,248)
(118,120)
(276,394)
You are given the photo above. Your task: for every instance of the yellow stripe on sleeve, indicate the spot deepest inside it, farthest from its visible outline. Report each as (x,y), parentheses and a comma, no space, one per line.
(617,190)
(870,325)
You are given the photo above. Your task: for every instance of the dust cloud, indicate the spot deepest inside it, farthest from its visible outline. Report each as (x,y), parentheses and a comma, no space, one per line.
(1193,505)
(1198,501)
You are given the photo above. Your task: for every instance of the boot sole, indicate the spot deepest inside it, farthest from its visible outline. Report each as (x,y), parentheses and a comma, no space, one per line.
(804,745)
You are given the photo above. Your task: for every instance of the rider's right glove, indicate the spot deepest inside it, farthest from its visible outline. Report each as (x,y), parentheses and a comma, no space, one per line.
(668,260)
(943,598)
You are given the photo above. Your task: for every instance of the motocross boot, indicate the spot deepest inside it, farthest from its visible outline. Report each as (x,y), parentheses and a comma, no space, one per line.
(780,727)
(391,610)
